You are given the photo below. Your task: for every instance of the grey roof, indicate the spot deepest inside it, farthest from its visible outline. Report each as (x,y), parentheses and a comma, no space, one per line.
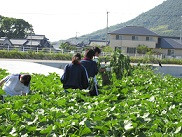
(33,43)
(18,41)
(134,30)
(36,37)
(169,43)
(2,39)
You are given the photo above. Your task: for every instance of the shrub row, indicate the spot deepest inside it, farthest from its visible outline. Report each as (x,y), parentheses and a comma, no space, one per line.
(35,55)
(67,56)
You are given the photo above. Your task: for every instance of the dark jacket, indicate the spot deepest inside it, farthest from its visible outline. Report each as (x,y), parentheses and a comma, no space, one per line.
(75,77)
(91,67)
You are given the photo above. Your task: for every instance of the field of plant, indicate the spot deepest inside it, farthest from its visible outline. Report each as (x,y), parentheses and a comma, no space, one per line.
(142,104)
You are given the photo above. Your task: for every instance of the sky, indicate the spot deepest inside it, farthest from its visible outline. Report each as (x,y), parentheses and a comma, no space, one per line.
(63,19)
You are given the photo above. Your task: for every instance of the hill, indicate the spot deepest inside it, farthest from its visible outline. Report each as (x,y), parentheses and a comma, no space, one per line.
(164,19)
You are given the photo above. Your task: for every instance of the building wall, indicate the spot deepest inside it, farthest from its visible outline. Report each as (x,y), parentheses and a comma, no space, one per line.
(177,52)
(98,43)
(126,41)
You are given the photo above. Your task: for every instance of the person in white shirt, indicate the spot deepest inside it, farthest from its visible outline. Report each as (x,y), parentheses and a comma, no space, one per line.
(16,84)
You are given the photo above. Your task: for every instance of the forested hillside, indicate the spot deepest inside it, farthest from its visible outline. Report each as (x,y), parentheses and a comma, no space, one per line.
(164,19)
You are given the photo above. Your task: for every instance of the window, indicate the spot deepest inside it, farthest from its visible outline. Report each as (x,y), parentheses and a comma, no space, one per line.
(134,37)
(149,38)
(118,37)
(170,52)
(117,48)
(131,50)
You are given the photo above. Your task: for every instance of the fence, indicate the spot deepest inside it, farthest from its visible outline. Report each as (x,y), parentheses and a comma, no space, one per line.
(52,50)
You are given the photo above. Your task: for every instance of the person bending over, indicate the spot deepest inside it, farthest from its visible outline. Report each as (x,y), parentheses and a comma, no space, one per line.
(75,75)
(16,84)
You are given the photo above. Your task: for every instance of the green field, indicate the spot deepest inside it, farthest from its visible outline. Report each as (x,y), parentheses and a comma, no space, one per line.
(142,104)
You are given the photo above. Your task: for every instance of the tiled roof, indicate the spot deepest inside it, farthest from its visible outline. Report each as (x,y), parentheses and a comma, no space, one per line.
(33,43)
(134,30)
(169,43)
(36,37)
(18,41)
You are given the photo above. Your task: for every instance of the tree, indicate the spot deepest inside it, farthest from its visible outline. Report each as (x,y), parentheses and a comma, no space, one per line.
(107,49)
(142,49)
(67,46)
(14,28)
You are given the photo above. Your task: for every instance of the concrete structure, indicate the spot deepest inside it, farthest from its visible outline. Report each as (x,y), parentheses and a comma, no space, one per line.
(129,38)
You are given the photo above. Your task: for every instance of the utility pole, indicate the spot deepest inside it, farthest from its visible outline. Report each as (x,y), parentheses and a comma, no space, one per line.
(76,34)
(181,31)
(107,29)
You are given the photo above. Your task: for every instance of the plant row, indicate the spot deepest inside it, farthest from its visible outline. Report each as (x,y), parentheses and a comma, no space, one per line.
(142,104)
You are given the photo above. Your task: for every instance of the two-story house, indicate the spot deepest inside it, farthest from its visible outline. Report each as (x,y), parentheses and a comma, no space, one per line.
(128,38)
(37,41)
(31,41)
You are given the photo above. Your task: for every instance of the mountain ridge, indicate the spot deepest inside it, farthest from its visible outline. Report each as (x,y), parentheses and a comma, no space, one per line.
(164,19)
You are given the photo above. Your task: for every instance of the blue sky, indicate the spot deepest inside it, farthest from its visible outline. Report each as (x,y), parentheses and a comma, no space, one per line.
(63,19)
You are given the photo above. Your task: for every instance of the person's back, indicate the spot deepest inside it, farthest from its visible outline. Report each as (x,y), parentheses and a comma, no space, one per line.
(89,64)
(16,84)
(75,75)
(91,67)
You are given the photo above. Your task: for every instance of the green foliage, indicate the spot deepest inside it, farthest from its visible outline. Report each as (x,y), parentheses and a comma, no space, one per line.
(14,28)
(66,46)
(143,104)
(107,49)
(120,65)
(142,49)
(35,55)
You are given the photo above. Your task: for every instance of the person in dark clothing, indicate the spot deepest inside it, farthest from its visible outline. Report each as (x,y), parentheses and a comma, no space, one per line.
(97,52)
(92,70)
(89,64)
(75,75)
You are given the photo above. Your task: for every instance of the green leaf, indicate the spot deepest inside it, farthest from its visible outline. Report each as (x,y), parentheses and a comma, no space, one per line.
(31,128)
(84,131)
(46,130)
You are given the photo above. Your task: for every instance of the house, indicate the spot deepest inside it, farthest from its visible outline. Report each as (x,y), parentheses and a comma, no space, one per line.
(37,41)
(32,41)
(169,46)
(5,43)
(128,38)
(96,42)
(18,42)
